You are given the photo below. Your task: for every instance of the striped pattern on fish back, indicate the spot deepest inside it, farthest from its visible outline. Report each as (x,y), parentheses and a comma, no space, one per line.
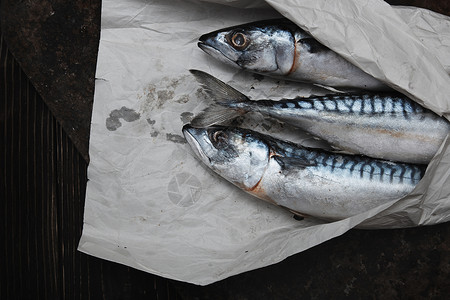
(364,104)
(355,166)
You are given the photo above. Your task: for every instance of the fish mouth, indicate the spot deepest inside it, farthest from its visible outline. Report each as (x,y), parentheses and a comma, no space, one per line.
(192,134)
(207,48)
(216,53)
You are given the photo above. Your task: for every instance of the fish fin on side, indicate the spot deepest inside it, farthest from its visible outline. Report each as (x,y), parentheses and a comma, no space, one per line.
(219,91)
(214,115)
(289,164)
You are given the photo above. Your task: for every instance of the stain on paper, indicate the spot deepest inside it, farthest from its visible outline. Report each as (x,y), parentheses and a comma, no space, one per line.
(186,117)
(183,99)
(201,94)
(164,96)
(151,122)
(176,138)
(157,95)
(127,114)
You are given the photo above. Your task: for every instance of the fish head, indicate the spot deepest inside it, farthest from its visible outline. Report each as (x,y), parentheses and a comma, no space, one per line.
(260,47)
(236,154)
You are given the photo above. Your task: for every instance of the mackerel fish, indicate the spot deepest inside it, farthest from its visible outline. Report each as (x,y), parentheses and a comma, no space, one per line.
(388,126)
(281,49)
(308,182)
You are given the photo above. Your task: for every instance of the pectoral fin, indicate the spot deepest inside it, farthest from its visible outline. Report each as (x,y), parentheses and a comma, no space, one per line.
(293,163)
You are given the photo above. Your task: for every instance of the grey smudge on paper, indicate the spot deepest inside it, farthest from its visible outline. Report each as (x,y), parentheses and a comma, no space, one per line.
(174,82)
(182,99)
(157,99)
(164,96)
(201,94)
(157,94)
(127,114)
(152,122)
(186,117)
(175,138)
(184,189)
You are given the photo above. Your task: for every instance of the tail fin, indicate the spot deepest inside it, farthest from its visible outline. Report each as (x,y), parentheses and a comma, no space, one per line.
(223,96)
(214,115)
(219,91)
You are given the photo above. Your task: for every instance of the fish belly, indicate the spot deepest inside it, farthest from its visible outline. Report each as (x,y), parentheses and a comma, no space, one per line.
(330,193)
(412,140)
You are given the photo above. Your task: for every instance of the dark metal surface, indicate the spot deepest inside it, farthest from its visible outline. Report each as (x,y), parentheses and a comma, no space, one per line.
(43,183)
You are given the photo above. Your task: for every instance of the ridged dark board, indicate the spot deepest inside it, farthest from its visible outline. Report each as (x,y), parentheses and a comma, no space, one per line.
(42,191)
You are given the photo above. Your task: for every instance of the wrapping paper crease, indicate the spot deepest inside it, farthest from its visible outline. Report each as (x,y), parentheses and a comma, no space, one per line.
(152,206)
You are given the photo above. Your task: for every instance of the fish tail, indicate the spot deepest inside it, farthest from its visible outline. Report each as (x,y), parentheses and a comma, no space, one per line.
(219,91)
(225,99)
(214,115)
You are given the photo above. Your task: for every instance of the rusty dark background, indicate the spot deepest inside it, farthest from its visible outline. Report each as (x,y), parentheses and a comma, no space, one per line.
(48,52)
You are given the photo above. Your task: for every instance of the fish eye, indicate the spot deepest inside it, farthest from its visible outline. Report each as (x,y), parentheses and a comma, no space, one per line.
(218,137)
(239,40)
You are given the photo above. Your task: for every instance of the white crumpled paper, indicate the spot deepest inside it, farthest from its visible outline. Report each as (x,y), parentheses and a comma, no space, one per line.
(151,205)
